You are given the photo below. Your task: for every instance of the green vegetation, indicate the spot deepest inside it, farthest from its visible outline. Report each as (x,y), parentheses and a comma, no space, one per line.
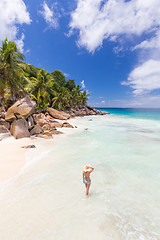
(18,79)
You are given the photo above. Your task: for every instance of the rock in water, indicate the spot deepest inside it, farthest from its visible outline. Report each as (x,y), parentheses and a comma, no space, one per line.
(104,113)
(23,108)
(29,146)
(66,124)
(58,114)
(19,129)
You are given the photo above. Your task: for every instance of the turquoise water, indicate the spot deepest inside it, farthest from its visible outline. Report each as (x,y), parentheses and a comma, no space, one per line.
(47,200)
(142,113)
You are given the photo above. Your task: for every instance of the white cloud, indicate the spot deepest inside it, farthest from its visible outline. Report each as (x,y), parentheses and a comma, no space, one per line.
(118,21)
(117,49)
(66,74)
(152,43)
(20,42)
(27,51)
(50,15)
(145,78)
(87,91)
(97,20)
(12,14)
(83,84)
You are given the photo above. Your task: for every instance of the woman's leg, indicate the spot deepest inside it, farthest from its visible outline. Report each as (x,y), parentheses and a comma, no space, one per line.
(87,188)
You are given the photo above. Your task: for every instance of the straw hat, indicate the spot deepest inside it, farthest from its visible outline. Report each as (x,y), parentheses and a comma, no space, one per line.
(87,169)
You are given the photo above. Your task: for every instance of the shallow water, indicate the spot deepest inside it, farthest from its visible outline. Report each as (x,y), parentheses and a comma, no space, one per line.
(47,200)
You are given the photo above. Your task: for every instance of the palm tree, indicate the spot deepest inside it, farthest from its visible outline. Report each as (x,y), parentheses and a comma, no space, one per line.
(40,88)
(75,96)
(83,97)
(10,71)
(61,98)
(59,77)
(70,84)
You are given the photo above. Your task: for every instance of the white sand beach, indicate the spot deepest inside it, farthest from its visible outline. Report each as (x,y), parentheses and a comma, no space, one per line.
(12,158)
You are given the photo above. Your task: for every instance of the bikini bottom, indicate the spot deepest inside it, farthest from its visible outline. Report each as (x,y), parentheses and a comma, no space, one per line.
(87,181)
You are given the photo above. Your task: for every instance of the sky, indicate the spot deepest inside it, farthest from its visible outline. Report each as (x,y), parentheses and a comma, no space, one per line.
(110,47)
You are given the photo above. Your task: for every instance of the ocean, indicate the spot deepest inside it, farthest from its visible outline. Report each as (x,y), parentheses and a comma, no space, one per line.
(47,200)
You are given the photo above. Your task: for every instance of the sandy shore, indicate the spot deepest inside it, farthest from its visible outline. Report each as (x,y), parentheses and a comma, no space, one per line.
(12,155)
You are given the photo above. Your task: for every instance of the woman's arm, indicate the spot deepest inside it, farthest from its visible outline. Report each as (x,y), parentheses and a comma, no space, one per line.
(91,168)
(83,176)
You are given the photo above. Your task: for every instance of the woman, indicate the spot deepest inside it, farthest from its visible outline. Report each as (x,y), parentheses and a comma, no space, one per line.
(86,177)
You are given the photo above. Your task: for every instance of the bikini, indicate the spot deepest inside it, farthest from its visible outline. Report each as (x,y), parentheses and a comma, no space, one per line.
(86,181)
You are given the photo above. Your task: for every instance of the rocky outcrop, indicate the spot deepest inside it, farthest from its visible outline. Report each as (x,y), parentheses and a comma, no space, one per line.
(4,123)
(23,120)
(37,117)
(46,135)
(56,124)
(2,113)
(23,108)
(42,122)
(84,110)
(58,114)
(67,125)
(36,130)
(48,127)
(19,129)
(3,129)
(90,107)
(55,132)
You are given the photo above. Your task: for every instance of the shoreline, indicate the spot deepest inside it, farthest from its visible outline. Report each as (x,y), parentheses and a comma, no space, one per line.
(14,159)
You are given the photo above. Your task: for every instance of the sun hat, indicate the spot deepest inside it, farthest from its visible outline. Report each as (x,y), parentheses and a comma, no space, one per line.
(87,168)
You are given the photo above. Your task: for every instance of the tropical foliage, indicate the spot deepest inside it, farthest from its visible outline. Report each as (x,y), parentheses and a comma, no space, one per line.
(18,79)
(11,74)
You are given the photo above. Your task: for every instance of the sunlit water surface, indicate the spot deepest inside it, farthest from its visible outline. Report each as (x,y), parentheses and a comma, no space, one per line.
(47,200)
